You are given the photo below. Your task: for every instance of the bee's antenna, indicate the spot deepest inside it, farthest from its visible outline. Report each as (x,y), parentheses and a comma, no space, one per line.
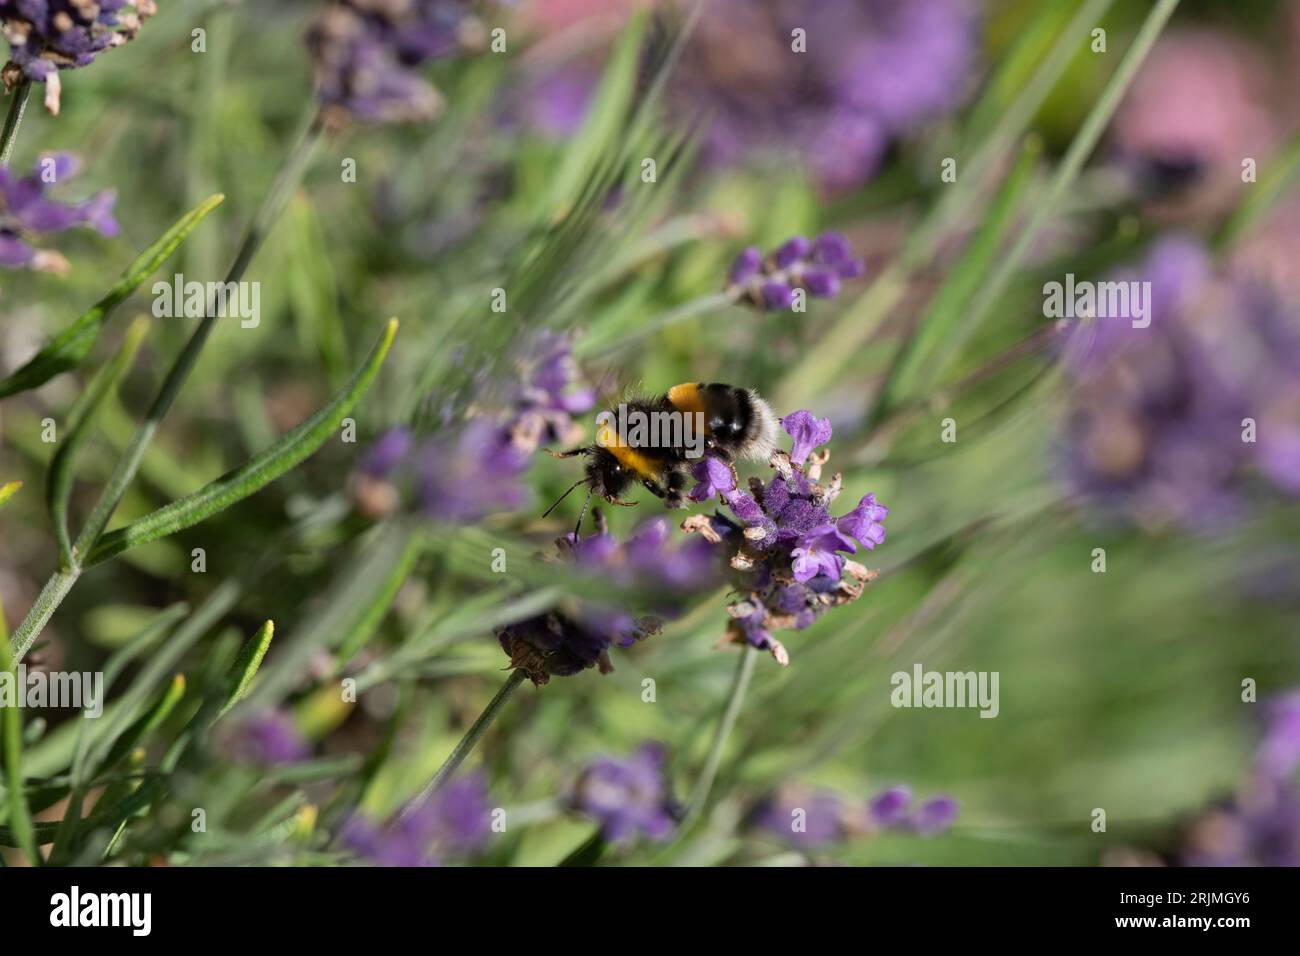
(582,514)
(563,496)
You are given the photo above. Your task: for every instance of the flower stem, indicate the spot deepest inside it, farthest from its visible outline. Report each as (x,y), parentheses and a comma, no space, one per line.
(17,109)
(58,586)
(735,699)
(471,738)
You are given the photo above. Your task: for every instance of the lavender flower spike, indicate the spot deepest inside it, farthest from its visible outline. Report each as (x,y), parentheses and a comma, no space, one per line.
(578,635)
(368,53)
(817,268)
(46,36)
(26,212)
(787,551)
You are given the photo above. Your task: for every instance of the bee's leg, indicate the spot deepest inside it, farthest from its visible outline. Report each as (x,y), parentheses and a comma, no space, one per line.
(654,487)
(565,454)
(717,451)
(678,479)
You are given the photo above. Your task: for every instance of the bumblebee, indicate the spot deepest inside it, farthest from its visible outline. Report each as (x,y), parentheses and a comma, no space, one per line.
(656,441)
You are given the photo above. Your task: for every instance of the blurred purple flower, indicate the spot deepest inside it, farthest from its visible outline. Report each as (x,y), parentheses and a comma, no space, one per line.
(1159,426)
(27,212)
(368,54)
(46,36)
(815,819)
(807,819)
(579,634)
(1260,826)
(558,102)
(266,739)
(1279,752)
(870,73)
(453,822)
(782,541)
(471,469)
(816,267)
(628,796)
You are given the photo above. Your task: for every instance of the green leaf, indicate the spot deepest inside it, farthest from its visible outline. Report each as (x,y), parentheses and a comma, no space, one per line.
(250,659)
(946,314)
(253,475)
(58,486)
(8,490)
(11,734)
(1279,174)
(71,346)
(146,725)
(605,123)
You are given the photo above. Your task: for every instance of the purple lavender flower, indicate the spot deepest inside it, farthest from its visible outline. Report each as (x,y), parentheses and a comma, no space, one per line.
(46,36)
(628,796)
(454,822)
(26,212)
(787,550)
(368,53)
(816,267)
(579,634)
(475,468)
(1278,755)
(808,819)
(266,739)
(1156,432)
(815,819)
(1259,825)
(808,433)
(933,816)
(873,72)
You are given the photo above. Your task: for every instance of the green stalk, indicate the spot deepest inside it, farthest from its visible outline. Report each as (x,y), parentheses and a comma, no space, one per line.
(1084,142)
(17,109)
(471,738)
(58,586)
(735,700)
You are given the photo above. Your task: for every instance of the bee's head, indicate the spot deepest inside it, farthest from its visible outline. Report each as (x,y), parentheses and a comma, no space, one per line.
(606,475)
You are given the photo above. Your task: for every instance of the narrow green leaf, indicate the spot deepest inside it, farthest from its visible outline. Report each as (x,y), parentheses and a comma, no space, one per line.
(11,732)
(66,839)
(1279,174)
(67,349)
(946,311)
(58,486)
(250,659)
(254,474)
(605,121)
(146,725)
